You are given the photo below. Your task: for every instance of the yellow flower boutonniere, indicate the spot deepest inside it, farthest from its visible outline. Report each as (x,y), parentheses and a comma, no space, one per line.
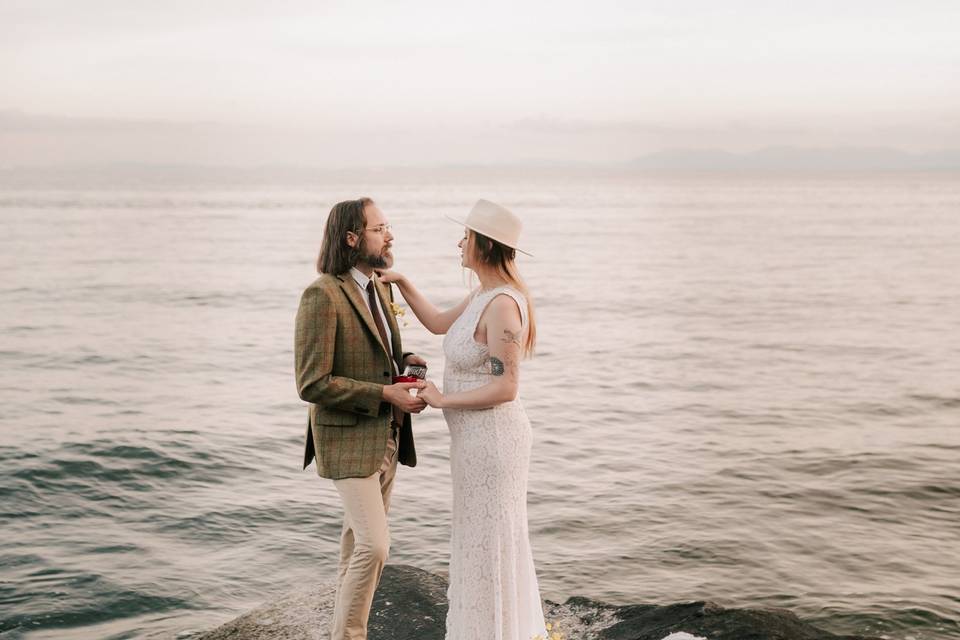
(398,312)
(551,634)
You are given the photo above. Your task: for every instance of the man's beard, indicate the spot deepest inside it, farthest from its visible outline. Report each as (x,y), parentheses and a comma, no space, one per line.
(375,261)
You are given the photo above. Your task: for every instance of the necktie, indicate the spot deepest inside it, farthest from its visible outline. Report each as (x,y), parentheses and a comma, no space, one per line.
(374,311)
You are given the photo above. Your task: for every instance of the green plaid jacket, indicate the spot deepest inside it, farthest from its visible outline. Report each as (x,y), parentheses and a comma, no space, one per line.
(341,367)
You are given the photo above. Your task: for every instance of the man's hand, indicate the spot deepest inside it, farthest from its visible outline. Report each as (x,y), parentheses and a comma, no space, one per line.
(399,395)
(414,359)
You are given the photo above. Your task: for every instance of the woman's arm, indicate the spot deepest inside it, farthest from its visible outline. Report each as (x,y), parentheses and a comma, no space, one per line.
(436,321)
(504,331)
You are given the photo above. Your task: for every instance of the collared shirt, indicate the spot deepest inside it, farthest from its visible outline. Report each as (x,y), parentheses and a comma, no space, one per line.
(361,279)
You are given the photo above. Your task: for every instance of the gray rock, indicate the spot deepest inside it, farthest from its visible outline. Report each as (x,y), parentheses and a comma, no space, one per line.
(411,604)
(710,620)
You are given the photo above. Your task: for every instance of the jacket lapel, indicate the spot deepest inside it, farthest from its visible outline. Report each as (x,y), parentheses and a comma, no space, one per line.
(386,298)
(350,287)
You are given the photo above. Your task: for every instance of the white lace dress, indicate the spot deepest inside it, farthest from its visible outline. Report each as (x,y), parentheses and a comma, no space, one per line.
(493,592)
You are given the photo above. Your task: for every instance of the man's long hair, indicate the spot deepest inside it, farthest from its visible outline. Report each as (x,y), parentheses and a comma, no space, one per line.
(501,259)
(336,256)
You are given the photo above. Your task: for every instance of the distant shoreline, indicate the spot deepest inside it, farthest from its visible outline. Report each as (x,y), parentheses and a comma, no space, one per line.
(766,159)
(119,175)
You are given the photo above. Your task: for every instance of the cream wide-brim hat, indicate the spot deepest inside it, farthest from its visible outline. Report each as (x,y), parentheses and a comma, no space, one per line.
(496,222)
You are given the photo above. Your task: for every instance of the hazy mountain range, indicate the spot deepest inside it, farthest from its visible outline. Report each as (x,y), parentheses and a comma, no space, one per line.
(772,159)
(798,158)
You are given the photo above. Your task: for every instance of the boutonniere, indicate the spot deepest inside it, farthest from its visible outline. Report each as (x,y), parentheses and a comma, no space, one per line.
(398,312)
(551,634)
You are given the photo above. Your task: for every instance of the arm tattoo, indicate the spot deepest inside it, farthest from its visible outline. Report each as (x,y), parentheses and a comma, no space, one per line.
(496,366)
(510,336)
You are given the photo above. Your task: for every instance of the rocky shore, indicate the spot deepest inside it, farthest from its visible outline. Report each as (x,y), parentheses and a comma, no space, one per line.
(411,604)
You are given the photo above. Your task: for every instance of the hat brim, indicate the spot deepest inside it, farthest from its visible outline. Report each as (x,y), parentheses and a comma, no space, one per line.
(468,226)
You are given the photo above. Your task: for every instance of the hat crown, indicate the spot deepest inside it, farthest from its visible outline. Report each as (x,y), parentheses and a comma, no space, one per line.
(496,222)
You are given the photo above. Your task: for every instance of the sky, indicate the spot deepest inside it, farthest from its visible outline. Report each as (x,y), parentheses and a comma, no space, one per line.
(416,83)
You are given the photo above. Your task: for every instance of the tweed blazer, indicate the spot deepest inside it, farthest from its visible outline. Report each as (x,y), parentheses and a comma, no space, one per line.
(341,367)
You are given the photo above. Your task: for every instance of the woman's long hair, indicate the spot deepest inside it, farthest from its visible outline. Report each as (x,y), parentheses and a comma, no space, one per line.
(501,259)
(336,256)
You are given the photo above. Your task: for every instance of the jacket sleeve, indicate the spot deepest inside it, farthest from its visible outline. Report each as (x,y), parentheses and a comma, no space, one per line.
(314,343)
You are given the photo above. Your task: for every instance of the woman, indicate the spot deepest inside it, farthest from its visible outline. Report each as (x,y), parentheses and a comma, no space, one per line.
(493,586)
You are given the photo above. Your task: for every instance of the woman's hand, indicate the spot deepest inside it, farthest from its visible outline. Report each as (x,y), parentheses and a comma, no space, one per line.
(387,277)
(431,395)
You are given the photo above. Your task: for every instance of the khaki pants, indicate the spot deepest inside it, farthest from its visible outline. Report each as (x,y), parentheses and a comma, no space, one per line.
(364,545)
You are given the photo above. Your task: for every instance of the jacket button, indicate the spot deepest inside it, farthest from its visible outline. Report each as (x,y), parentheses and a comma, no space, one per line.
(386,374)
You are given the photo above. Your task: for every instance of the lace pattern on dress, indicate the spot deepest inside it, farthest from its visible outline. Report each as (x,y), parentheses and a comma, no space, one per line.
(493,593)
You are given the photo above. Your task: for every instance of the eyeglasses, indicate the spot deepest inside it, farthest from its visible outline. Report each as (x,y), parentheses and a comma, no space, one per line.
(380,228)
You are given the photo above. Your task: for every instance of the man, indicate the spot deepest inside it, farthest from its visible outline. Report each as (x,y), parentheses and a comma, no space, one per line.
(347,348)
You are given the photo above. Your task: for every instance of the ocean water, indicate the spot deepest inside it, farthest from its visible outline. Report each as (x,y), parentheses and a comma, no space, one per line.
(747,389)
